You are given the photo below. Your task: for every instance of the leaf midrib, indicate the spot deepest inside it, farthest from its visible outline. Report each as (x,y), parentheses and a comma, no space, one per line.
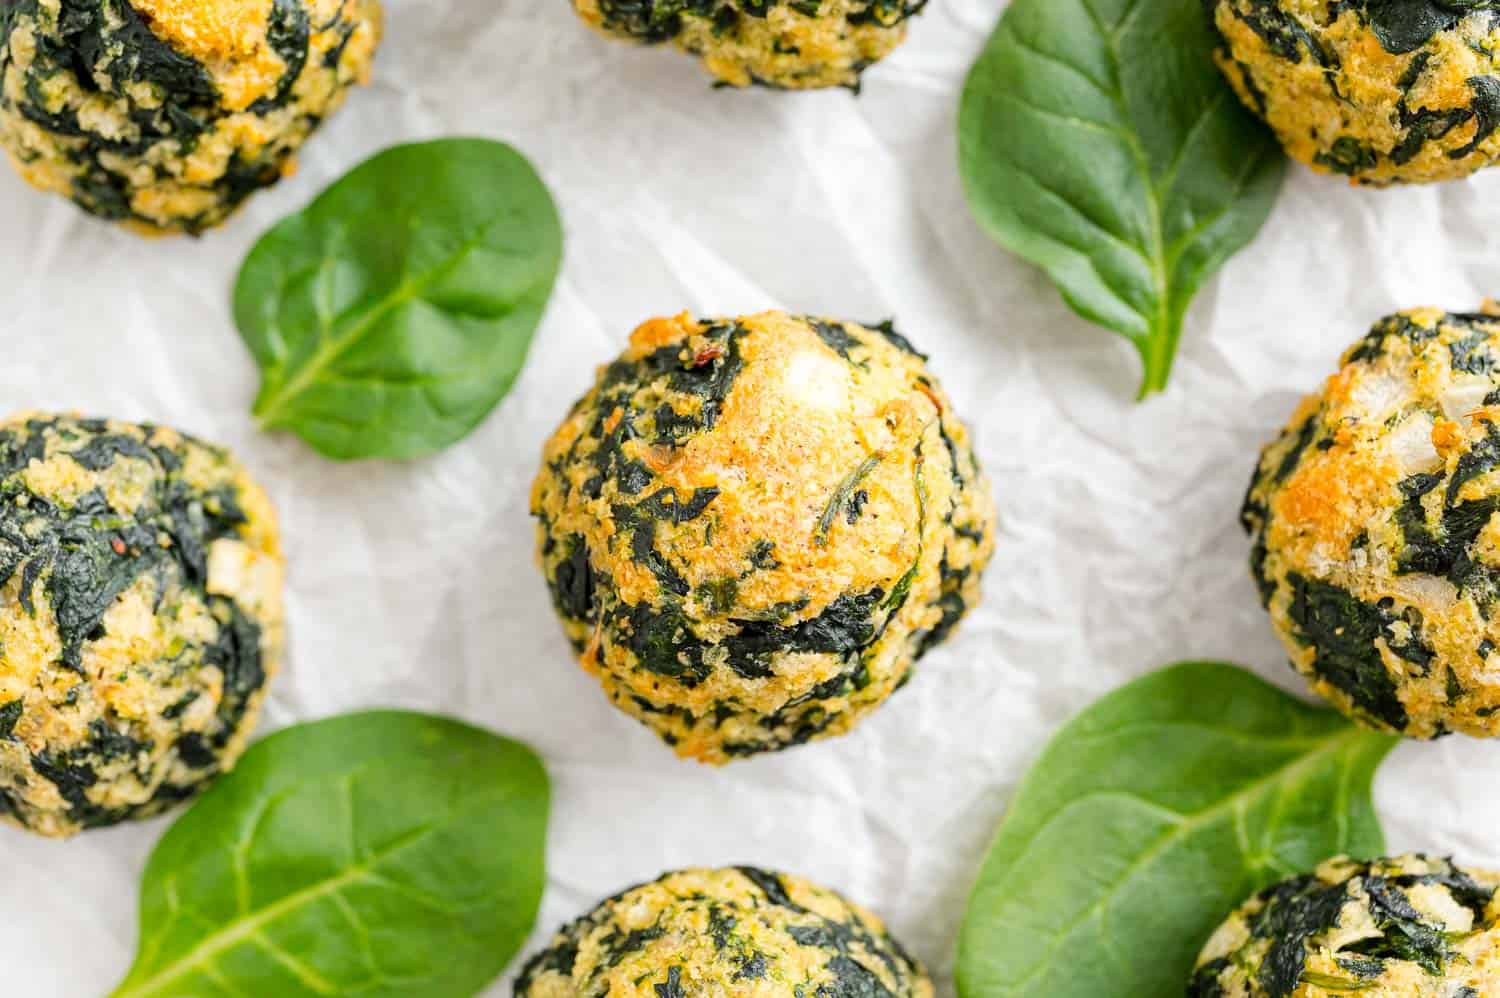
(1190,823)
(248,926)
(1158,346)
(330,350)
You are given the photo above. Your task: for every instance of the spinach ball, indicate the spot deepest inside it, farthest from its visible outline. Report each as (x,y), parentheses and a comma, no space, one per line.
(785,44)
(166,114)
(1376,544)
(140,618)
(1409,927)
(1383,92)
(753,528)
(737,931)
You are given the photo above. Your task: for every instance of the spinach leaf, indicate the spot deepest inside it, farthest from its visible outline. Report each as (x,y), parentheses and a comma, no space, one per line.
(382,854)
(1098,140)
(395,312)
(1148,819)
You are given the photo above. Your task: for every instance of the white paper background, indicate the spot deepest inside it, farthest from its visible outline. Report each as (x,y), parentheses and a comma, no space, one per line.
(414,584)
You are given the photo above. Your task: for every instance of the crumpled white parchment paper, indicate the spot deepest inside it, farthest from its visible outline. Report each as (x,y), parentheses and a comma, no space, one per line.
(413,585)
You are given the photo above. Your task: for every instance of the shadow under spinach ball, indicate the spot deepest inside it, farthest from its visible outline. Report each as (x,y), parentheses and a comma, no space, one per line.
(140,618)
(1376,539)
(786,44)
(737,931)
(1378,91)
(752,528)
(167,114)
(1408,927)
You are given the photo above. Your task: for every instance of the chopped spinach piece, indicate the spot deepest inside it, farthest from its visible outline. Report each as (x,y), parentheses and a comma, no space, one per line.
(1472,354)
(573,581)
(290,35)
(656,21)
(888,330)
(1294,912)
(952,602)
(1407,935)
(770,885)
(1205,980)
(752,969)
(1338,985)
(666,507)
(843,499)
(763,556)
(1349,156)
(1293,457)
(1282,32)
(673,987)
(1343,632)
(844,628)
(9,715)
(836,337)
(663,642)
(1361,966)
(1406,25)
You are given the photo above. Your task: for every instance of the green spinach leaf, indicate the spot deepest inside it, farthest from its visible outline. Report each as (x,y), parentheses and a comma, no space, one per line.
(1099,141)
(1147,819)
(395,312)
(380,854)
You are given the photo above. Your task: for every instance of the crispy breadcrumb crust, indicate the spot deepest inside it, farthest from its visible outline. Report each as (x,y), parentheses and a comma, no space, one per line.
(752,528)
(166,114)
(1408,927)
(738,931)
(785,44)
(140,618)
(1382,93)
(1376,545)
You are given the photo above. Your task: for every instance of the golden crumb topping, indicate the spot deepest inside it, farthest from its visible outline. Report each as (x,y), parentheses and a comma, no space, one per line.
(1374,521)
(753,527)
(1380,92)
(229,37)
(1408,927)
(790,45)
(140,618)
(166,114)
(739,931)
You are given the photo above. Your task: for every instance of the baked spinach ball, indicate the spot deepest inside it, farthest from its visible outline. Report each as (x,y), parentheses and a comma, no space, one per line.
(1409,927)
(166,114)
(1376,544)
(140,618)
(1383,92)
(725,932)
(753,528)
(786,44)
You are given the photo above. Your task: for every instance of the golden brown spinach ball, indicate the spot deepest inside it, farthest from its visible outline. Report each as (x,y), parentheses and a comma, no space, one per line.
(752,528)
(166,114)
(787,44)
(1409,927)
(1383,92)
(1376,544)
(140,618)
(739,931)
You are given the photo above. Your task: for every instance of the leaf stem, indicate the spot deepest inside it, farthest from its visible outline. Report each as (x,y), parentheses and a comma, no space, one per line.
(1158,351)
